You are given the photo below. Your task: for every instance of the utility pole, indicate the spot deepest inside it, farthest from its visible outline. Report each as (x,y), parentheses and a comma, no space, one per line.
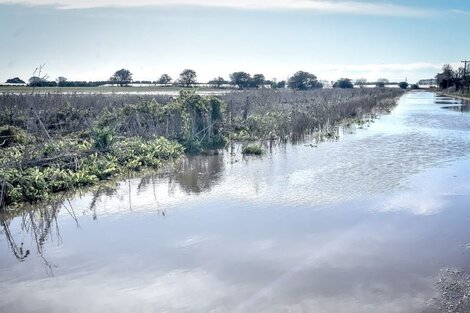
(465,74)
(465,67)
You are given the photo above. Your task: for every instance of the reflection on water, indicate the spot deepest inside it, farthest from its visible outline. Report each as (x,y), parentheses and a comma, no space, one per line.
(41,224)
(199,173)
(459,105)
(459,108)
(363,224)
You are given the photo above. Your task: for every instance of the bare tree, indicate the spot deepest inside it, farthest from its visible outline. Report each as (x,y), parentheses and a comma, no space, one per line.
(61,80)
(361,82)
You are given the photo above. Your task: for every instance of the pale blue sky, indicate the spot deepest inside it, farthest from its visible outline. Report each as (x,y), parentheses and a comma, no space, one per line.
(90,39)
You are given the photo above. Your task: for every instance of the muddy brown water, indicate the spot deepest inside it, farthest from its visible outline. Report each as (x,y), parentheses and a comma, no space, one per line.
(363,224)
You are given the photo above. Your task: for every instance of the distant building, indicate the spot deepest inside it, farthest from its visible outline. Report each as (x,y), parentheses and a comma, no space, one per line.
(427,82)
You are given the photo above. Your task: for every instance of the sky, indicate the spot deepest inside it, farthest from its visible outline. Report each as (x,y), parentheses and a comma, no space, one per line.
(91,39)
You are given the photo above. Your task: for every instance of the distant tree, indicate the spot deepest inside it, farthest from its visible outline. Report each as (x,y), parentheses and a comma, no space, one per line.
(121,77)
(218,82)
(403,85)
(303,81)
(281,84)
(61,81)
(344,83)
(82,83)
(240,79)
(361,82)
(15,80)
(381,82)
(447,68)
(446,79)
(164,79)
(414,86)
(258,80)
(187,78)
(36,81)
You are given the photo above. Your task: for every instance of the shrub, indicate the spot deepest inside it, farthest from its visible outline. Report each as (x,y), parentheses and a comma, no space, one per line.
(344,83)
(403,85)
(11,135)
(102,137)
(252,149)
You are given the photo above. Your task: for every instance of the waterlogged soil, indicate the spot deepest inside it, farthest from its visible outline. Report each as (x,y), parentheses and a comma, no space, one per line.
(368,223)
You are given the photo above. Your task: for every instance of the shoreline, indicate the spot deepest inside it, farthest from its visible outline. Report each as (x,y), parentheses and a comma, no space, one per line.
(463,97)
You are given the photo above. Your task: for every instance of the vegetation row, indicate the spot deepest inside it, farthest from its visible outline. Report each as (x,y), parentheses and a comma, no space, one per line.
(54,142)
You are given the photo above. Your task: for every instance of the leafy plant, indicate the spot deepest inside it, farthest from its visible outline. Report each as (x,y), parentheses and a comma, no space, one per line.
(11,135)
(102,137)
(252,149)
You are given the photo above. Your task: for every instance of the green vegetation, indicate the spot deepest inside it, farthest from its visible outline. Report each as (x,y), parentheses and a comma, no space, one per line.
(11,135)
(282,115)
(87,147)
(70,163)
(252,149)
(57,142)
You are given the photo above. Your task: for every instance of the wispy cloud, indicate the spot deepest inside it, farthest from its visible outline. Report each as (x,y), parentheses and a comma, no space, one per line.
(322,6)
(393,71)
(461,11)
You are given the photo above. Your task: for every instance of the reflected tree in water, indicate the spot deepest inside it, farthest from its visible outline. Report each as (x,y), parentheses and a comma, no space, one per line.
(17,250)
(199,173)
(38,222)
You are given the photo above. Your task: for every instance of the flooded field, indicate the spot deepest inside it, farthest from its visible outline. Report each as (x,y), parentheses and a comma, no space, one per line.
(140,91)
(363,224)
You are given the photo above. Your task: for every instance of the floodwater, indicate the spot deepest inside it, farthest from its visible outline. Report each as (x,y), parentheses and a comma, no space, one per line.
(363,224)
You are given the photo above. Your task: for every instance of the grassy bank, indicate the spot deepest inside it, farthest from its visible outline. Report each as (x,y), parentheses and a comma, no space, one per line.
(57,142)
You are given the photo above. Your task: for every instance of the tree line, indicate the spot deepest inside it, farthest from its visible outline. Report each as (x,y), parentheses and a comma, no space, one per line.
(301,80)
(458,79)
